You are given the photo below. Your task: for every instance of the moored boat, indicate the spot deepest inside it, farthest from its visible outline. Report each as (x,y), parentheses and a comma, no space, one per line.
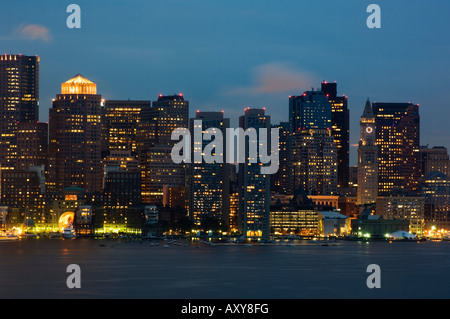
(69,233)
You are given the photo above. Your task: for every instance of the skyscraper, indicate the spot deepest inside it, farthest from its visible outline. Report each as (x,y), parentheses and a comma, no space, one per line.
(397,130)
(435,188)
(314,162)
(32,144)
(367,191)
(19,101)
(313,150)
(75,137)
(280,181)
(434,159)
(312,109)
(121,121)
(254,187)
(168,112)
(209,183)
(340,130)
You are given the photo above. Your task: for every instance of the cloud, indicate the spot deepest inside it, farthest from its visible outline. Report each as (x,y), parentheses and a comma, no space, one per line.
(33,32)
(277,78)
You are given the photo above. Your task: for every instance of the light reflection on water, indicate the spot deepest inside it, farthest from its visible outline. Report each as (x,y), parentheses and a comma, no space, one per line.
(36,268)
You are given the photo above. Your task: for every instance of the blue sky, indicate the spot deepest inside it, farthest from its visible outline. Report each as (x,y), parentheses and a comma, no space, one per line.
(227,55)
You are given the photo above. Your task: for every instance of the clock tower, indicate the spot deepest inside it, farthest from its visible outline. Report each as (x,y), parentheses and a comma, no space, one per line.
(367,159)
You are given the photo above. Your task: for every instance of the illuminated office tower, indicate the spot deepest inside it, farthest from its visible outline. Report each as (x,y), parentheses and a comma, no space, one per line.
(23,192)
(311,110)
(340,129)
(19,101)
(121,123)
(166,114)
(122,188)
(397,131)
(367,190)
(32,145)
(434,159)
(209,183)
(121,159)
(254,187)
(314,162)
(403,205)
(280,181)
(75,137)
(163,172)
(435,188)
(313,150)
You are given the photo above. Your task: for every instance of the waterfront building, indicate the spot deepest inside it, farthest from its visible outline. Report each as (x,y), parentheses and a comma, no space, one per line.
(117,220)
(23,191)
(407,207)
(435,188)
(83,221)
(370,226)
(298,217)
(334,224)
(290,221)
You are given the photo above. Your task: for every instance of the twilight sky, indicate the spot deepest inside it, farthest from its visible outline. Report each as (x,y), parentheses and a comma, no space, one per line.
(227,55)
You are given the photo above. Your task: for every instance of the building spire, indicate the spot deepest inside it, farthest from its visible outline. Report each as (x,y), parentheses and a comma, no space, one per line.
(368,112)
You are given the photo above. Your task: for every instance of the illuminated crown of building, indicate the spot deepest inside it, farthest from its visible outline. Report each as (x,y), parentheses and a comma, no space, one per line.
(78,85)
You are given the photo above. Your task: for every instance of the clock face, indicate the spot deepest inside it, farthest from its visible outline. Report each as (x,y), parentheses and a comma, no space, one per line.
(369,129)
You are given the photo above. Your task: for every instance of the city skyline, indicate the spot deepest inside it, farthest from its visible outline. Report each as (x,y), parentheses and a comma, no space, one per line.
(214,151)
(269,60)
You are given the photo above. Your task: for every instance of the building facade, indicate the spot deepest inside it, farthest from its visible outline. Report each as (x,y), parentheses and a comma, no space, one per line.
(254,187)
(209,183)
(340,130)
(397,130)
(19,101)
(75,137)
(434,159)
(367,190)
(313,151)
